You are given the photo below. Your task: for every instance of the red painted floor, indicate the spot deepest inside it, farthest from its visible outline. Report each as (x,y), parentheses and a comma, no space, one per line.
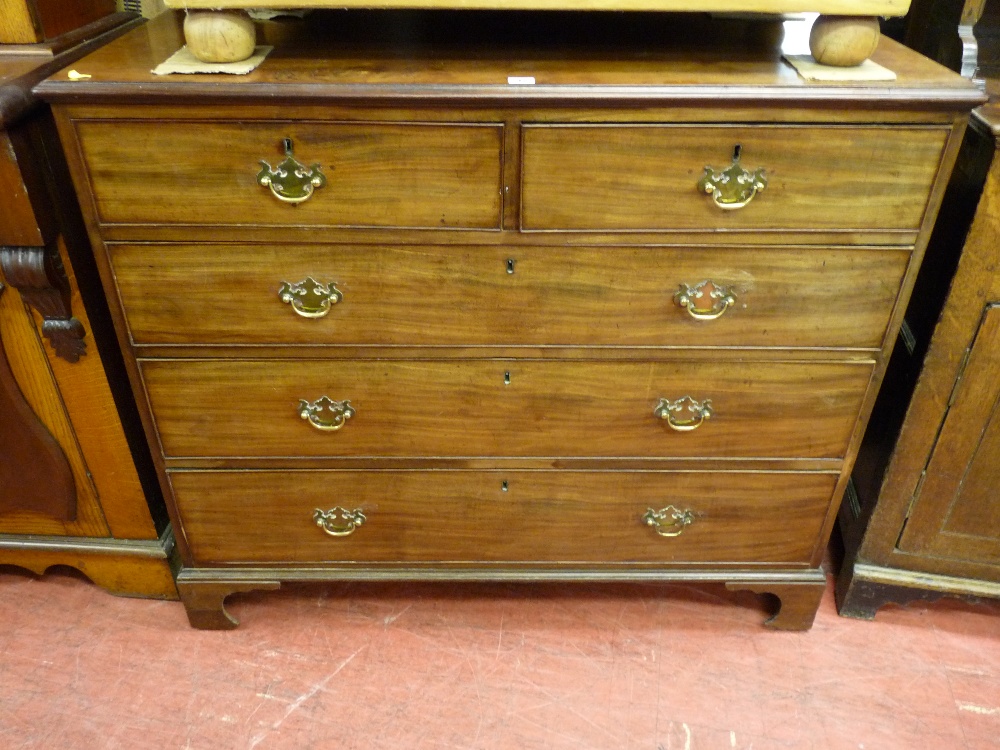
(494,667)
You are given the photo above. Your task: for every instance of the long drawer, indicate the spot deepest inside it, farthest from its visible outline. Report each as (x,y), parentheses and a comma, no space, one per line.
(490,296)
(520,516)
(646,177)
(516,408)
(434,175)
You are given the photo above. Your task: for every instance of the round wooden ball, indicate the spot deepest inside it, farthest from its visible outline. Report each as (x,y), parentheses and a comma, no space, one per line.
(843,40)
(220,36)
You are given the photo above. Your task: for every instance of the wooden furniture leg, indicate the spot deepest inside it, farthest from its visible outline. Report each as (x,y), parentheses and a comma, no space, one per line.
(861,599)
(863,589)
(205,601)
(797,604)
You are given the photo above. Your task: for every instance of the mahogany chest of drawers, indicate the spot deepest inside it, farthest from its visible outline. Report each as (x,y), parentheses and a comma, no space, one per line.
(420,302)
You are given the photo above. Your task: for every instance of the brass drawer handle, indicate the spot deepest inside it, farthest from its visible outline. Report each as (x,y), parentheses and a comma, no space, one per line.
(310,298)
(325,413)
(672,412)
(291,181)
(669,521)
(338,521)
(733,187)
(706,300)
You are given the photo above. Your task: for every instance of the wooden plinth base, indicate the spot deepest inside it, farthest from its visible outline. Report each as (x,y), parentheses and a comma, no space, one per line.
(204,590)
(864,589)
(137,568)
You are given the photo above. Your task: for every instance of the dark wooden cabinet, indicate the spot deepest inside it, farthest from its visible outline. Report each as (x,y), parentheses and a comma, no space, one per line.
(924,516)
(957,513)
(71,484)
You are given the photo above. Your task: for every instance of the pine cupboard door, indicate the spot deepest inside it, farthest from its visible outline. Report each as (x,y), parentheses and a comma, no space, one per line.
(956,513)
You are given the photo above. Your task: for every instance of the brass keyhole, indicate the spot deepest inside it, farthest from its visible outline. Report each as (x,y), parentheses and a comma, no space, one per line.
(510,265)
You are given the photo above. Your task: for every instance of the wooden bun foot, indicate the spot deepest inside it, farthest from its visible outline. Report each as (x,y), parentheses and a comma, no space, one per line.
(843,41)
(220,36)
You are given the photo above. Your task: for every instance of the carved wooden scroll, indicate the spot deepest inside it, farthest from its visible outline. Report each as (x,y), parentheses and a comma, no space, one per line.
(38,274)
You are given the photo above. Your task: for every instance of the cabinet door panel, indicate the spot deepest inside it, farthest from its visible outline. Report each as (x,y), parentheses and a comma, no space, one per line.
(957,513)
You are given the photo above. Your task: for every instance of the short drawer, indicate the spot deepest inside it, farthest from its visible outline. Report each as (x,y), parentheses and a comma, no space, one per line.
(376,174)
(647,177)
(516,408)
(489,296)
(464,517)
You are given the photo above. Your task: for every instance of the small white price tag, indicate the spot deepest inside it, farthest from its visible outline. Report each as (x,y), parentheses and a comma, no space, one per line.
(521,80)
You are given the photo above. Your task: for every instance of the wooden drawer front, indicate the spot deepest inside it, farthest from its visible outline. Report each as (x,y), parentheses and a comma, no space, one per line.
(466,516)
(237,408)
(628,177)
(377,174)
(486,296)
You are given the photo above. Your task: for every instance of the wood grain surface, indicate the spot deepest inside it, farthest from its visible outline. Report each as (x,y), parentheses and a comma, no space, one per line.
(493,296)
(957,515)
(18,222)
(85,390)
(34,473)
(464,408)
(378,174)
(645,177)
(31,21)
(19,22)
(29,364)
(542,516)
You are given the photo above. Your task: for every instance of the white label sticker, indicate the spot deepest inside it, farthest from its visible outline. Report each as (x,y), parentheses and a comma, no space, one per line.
(521,80)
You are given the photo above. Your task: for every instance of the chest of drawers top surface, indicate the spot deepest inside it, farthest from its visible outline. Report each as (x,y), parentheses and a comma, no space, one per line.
(490,57)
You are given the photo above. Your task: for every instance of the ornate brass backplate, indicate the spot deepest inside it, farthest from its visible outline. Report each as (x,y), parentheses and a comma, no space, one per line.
(685,414)
(733,187)
(705,300)
(339,521)
(669,521)
(310,298)
(291,181)
(325,413)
